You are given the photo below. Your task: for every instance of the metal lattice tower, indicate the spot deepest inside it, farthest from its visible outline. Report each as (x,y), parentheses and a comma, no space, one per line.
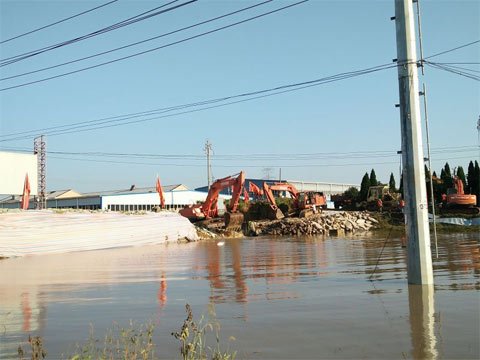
(39,148)
(208,149)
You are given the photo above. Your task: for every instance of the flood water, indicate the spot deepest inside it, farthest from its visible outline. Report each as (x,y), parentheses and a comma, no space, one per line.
(281,298)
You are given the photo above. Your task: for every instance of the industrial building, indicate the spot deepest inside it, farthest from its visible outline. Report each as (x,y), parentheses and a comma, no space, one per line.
(132,199)
(326,188)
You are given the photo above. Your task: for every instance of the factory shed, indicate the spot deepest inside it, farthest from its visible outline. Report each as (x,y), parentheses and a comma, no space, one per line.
(327,188)
(131,199)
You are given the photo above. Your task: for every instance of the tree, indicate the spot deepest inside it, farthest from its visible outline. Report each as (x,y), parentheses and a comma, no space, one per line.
(364,187)
(461,175)
(373,178)
(351,193)
(400,187)
(391,183)
(446,177)
(448,173)
(476,182)
(470,178)
(434,174)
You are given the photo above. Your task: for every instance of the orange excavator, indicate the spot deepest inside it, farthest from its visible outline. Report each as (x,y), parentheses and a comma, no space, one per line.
(457,202)
(209,209)
(304,203)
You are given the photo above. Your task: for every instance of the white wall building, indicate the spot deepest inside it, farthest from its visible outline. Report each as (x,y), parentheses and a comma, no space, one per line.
(133,199)
(324,187)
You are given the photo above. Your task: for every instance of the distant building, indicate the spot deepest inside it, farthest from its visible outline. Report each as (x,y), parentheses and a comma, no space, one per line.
(326,188)
(132,199)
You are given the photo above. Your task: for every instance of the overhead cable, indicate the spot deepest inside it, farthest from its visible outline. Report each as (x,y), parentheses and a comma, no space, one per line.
(453,49)
(136,43)
(243,165)
(156,48)
(57,22)
(132,20)
(454,70)
(120,121)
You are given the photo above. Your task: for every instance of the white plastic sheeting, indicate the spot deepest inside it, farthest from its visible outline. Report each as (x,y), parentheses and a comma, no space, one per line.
(458,221)
(48,232)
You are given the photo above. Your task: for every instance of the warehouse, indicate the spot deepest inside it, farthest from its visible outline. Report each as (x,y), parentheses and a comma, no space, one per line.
(132,199)
(326,188)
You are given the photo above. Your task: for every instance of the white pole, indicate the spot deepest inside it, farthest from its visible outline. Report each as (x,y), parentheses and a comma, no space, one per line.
(416,208)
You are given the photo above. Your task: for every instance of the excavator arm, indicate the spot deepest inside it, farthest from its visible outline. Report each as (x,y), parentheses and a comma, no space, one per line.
(210,208)
(276,213)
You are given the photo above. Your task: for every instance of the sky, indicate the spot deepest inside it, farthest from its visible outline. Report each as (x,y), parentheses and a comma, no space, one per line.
(333,132)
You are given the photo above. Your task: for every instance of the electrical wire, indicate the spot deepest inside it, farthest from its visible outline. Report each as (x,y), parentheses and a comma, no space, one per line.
(255,157)
(176,164)
(453,71)
(133,20)
(453,49)
(135,43)
(462,68)
(57,22)
(156,48)
(270,92)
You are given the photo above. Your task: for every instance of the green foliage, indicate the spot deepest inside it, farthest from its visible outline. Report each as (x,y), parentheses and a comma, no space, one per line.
(461,176)
(192,338)
(400,187)
(448,173)
(476,182)
(36,352)
(131,343)
(257,210)
(351,193)
(391,183)
(365,184)
(470,178)
(136,342)
(373,178)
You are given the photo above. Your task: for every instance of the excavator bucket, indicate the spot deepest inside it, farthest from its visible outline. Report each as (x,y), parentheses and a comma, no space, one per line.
(275,214)
(233,221)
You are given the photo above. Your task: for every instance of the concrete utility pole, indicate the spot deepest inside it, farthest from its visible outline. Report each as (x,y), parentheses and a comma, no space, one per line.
(420,269)
(208,149)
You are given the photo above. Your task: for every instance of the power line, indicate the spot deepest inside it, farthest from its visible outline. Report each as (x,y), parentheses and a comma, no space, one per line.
(132,20)
(459,63)
(453,71)
(136,43)
(57,22)
(122,118)
(258,156)
(114,121)
(453,49)
(156,48)
(462,68)
(246,165)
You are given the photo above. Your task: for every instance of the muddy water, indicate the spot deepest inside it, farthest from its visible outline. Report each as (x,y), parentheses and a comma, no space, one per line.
(281,298)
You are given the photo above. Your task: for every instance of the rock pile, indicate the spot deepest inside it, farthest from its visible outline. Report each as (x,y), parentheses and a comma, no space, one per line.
(320,224)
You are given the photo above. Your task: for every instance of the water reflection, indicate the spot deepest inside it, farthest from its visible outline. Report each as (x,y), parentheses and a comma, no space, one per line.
(422,321)
(274,264)
(295,285)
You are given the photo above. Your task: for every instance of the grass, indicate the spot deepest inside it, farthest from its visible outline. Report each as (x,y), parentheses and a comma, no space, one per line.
(192,338)
(136,342)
